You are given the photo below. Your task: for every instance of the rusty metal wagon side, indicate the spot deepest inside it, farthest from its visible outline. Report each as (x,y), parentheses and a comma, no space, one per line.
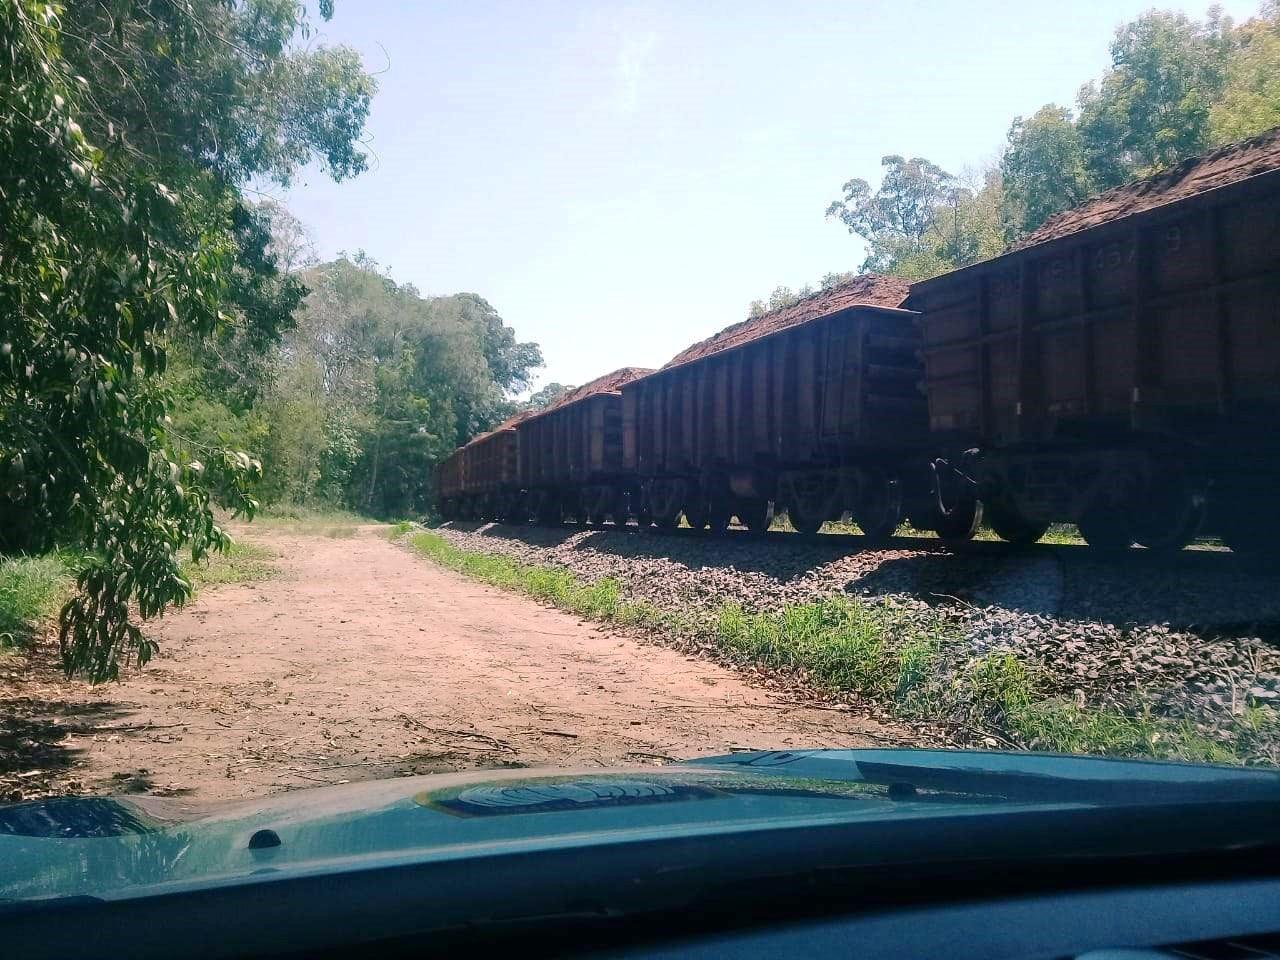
(570,461)
(1120,368)
(812,409)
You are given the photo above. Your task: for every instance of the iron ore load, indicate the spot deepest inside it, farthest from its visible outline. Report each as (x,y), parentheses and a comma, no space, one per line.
(1118,369)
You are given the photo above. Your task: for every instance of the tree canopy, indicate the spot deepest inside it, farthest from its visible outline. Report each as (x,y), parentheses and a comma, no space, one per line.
(1043,169)
(126,132)
(375,385)
(1176,87)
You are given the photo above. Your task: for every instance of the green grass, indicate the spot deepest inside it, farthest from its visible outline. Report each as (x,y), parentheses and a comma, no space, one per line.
(913,664)
(31,591)
(240,563)
(311,521)
(599,600)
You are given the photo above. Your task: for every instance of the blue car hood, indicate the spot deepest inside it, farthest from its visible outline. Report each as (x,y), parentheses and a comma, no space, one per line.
(120,847)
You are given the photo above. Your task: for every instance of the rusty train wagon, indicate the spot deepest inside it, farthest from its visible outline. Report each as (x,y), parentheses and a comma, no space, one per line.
(492,472)
(449,486)
(1120,368)
(571,455)
(480,480)
(813,409)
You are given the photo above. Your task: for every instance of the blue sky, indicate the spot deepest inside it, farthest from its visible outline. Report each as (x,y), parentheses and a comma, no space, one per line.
(622,179)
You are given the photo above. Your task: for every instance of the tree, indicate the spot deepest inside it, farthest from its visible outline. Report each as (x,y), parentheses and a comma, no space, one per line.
(922,221)
(125,129)
(1151,109)
(966,228)
(542,398)
(291,246)
(1043,168)
(834,279)
(376,384)
(895,218)
(1250,101)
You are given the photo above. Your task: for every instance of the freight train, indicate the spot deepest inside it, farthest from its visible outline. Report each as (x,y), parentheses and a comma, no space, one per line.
(1118,369)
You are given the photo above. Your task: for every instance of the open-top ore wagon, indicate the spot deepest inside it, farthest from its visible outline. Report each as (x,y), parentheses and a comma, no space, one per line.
(571,455)
(814,408)
(480,480)
(1120,368)
(449,486)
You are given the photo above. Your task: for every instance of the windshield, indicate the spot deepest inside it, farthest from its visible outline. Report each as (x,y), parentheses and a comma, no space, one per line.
(392,390)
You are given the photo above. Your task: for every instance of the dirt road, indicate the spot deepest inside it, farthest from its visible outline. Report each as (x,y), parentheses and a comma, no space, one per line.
(362,660)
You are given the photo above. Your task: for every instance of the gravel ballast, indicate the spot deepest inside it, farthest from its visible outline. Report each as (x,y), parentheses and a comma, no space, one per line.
(1193,638)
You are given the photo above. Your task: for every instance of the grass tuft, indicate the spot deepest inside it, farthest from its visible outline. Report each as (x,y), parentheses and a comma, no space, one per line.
(239,563)
(597,600)
(311,521)
(31,591)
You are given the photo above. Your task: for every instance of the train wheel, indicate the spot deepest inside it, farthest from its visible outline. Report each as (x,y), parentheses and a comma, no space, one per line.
(879,508)
(696,513)
(511,511)
(1252,541)
(666,521)
(812,501)
(1244,518)
(550,513)
(615,507)
(756,515)
(1108,529)
(666,497)
(1010,525)
(960,523)
(719,513)
(1170,516)
(802,520)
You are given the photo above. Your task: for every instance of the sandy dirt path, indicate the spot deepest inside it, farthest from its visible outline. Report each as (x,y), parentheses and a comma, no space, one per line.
(363,660)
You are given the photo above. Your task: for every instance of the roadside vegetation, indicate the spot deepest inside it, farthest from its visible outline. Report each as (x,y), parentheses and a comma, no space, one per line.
(173,331)
(876,652)
(315,520)
(241,562)
(33,588)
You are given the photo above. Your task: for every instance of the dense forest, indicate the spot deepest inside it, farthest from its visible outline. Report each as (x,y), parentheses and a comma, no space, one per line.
(369,387)
(171,351)
(1176,87)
